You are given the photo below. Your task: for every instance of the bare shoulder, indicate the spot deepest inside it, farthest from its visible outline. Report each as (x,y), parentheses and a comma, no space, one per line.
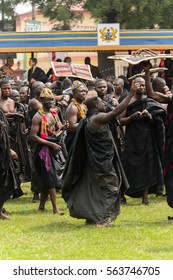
(36,118)
(31,103)
(98,120)
(71,108)
(34,103)
(99,117)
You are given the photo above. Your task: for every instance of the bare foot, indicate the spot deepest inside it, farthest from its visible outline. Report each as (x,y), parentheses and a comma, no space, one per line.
(4,217)
(58,212)
(170,219)
(103,225)
(4,211)
(145,202)
(42,209)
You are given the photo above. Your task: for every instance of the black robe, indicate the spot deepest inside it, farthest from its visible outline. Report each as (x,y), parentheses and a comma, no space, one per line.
(38,75)
(18,137)
(93,176)
(42,178)
(9,184)
(143,156)
(168,155)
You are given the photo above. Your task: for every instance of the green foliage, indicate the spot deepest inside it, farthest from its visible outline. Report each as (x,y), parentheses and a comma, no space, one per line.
(133,14)
(57,11)
(7,15)
(130,14)
(140,232)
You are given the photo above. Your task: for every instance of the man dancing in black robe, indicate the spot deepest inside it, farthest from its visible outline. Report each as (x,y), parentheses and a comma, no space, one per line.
(93,173)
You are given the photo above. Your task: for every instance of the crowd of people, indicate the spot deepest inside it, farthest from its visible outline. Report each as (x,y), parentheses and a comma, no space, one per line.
(96,142)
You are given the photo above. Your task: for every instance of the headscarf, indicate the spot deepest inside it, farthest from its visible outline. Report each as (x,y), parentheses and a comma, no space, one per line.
(46,93)
(76,84)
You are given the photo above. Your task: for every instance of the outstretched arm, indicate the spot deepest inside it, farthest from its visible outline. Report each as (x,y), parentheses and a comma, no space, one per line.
(102,118)
(158,96)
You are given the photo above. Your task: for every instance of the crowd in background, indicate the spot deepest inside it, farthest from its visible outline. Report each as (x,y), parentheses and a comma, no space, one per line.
(95,142)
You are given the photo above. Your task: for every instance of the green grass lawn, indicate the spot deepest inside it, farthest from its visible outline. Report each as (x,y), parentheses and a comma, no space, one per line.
(140,232)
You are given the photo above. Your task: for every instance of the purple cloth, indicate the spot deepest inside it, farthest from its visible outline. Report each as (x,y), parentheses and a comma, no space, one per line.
(44,155)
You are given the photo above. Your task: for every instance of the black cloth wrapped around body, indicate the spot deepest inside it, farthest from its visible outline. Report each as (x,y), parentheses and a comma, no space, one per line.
(92,176)
(143,156)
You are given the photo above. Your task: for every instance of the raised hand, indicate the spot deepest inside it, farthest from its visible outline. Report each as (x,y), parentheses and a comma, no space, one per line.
(134,87)
(145,65)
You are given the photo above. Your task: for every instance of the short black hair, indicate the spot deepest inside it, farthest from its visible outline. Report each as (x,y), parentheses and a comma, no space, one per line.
(4,82)
(97,81)
(91,102)
(87,60)
(157,84)
(167,51)
(90,83)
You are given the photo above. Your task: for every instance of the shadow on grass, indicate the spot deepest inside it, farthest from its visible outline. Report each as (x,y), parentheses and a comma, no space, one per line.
(152,201)
(135,224)
(25,212)
(64,225)
(22,200)
(60,226)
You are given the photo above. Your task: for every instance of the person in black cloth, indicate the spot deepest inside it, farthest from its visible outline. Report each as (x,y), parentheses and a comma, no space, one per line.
(35,73)
(93,173)
(46,130)
(50,74)
(76,110)
(162,95)
(167,74)
(9,184)
(94,69)
(144,121)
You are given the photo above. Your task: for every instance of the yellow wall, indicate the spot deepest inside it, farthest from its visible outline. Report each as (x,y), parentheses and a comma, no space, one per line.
(44,59)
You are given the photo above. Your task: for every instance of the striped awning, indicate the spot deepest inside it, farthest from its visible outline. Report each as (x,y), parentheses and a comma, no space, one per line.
(83,41)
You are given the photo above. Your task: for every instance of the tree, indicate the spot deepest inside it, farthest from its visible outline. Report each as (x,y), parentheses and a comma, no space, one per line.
(7,15)
(58,11)
(131,14)
(61,12)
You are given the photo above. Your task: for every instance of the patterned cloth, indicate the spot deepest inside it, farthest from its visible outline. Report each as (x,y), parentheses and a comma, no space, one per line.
(7,73)
(46,130)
